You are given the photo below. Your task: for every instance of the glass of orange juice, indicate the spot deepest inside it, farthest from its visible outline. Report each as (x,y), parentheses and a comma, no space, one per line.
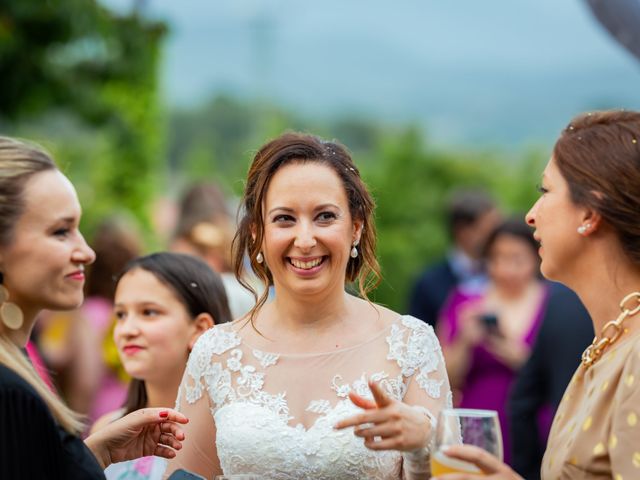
(457,426)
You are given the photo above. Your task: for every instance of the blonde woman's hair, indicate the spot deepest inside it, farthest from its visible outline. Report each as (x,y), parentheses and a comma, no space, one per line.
(19,161)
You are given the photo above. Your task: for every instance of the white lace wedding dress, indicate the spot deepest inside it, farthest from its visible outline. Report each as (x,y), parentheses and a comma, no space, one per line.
(273,414)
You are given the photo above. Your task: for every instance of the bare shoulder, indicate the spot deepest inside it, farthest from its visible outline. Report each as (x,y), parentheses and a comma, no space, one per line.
(378,315)
(106,419)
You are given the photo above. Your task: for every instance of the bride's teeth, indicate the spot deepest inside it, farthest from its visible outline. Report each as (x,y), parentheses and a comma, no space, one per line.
(306,265)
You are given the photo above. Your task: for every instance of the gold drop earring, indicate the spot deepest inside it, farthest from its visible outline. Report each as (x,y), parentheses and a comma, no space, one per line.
(10,313)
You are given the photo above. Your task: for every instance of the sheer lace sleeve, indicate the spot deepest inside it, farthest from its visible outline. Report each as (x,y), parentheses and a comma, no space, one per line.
(415,347)
(202,384)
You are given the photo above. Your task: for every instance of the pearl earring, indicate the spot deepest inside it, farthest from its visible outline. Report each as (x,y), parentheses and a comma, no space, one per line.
(582,229)
(354,251)
(259,257)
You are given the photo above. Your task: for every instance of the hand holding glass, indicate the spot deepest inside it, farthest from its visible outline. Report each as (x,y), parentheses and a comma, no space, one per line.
(459,426)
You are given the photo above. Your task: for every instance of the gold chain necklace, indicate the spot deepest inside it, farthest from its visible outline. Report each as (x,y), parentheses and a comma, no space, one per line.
(594,351)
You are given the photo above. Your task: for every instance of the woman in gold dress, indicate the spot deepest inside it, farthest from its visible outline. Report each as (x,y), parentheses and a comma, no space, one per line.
(586,221)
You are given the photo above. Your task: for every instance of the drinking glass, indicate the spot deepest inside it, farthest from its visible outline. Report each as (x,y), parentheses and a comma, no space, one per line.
(458,426)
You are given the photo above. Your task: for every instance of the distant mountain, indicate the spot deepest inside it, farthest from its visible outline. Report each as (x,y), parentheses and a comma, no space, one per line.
(475,73)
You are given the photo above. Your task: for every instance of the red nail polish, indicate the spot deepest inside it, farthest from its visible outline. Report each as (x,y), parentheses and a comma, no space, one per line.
(164,414)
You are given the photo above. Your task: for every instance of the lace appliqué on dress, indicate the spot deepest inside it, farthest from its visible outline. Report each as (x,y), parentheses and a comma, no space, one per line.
(253,430)
(202,370)
(394,387)
(421,352)
(266,359)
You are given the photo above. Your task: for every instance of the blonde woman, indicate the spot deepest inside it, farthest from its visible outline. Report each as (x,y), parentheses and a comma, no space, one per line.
(42,260)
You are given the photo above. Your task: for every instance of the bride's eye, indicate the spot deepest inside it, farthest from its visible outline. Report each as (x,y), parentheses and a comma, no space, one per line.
(326,217)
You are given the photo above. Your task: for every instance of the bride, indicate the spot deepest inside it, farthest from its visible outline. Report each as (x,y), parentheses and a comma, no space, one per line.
(318,382)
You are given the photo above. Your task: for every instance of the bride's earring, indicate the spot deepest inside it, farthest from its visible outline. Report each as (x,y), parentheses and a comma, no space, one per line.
(354,250)
(259,257)
(10,313)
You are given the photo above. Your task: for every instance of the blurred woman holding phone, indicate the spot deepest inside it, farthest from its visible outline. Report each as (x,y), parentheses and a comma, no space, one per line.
(486,336)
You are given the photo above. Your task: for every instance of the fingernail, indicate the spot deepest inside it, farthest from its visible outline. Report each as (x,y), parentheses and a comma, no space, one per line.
(163,414)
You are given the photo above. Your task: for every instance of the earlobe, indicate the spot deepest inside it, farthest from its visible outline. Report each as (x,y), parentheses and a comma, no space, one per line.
(357,232)
(202,323)
(591,222)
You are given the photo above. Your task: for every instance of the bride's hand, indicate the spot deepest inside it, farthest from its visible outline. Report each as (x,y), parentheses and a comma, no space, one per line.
(492,468)
(388,424)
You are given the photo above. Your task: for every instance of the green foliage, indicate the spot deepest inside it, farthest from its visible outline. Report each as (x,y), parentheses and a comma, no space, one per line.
(412,184)
(77,59)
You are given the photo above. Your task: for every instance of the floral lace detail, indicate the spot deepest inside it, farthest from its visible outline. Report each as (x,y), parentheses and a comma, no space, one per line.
(421,352)
(253,430)
(392,386)
(266,359)
(249,385)
(429,385)
(200,367)
(250,441)
(319,406)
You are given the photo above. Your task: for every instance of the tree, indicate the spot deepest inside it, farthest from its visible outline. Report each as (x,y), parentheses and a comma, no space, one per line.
(78,57)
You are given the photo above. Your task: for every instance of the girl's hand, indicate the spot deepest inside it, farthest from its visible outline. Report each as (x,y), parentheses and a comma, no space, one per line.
(388,424)
(492,468)
(148,431)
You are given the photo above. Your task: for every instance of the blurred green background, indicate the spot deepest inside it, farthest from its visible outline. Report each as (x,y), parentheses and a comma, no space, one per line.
(84,80)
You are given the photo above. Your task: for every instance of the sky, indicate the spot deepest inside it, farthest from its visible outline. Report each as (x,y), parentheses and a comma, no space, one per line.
(492,73)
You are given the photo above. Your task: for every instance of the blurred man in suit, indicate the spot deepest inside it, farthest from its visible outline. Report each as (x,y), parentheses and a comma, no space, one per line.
(565,332)
(471,216)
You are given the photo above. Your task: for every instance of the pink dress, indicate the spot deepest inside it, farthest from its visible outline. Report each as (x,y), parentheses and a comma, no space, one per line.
(488,381)
(38,364)
(112,391)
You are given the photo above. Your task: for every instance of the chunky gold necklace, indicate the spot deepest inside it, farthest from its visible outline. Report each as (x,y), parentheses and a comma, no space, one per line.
(594,351)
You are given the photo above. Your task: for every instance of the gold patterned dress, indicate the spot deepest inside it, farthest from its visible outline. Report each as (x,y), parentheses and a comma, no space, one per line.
(596,430)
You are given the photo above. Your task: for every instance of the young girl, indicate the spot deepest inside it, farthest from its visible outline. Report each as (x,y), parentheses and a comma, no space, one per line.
(163,303)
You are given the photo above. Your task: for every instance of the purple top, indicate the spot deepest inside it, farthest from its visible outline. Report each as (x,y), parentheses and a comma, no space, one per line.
(488,381)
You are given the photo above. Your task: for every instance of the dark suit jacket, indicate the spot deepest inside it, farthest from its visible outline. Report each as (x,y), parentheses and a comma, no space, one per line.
(565,332)
(431,291)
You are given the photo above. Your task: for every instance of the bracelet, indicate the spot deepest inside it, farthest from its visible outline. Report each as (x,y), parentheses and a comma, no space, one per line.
(418,460)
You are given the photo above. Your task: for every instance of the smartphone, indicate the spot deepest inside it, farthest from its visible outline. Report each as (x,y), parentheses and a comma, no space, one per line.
(182,474)
(490,322)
